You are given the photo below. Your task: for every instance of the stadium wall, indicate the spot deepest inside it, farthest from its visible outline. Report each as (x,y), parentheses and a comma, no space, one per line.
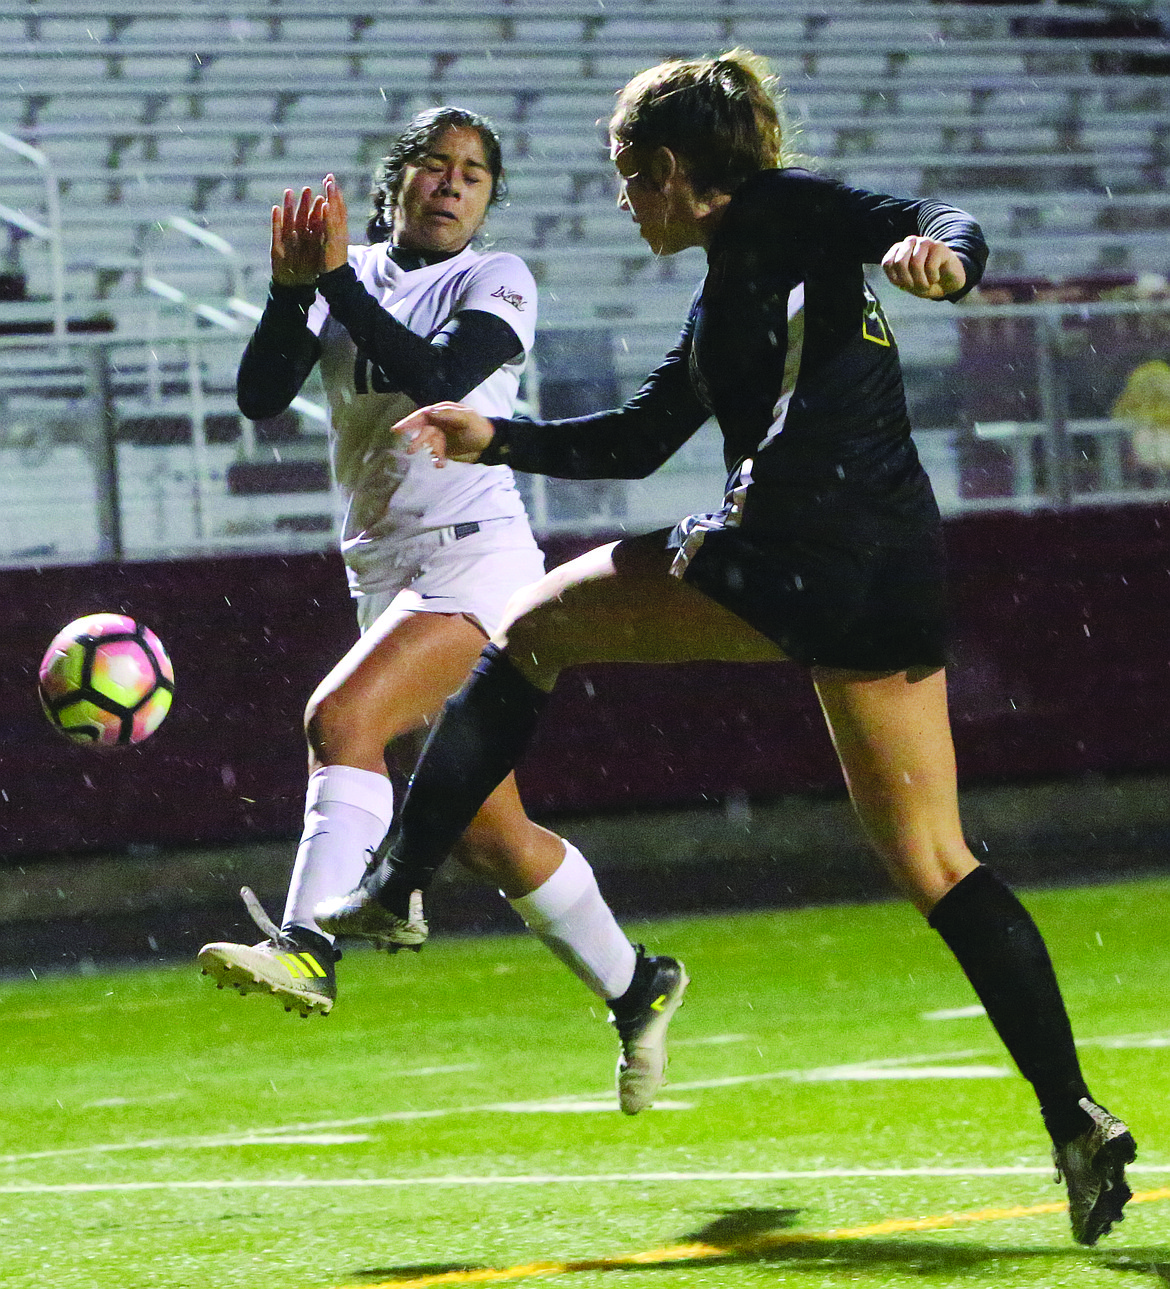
(1061,669)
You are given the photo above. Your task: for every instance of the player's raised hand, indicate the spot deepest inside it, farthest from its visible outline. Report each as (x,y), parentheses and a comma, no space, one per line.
(336,226)
(924,267)
(297,237)
(449,431)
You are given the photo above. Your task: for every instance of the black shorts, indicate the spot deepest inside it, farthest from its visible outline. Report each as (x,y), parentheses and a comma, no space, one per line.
(828,603)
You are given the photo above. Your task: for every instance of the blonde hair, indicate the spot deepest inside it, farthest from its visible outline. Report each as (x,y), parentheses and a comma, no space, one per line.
(718,115)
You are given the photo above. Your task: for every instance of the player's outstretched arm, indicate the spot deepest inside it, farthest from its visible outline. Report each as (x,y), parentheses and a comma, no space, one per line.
(448,431)
(282,350)
(924,267)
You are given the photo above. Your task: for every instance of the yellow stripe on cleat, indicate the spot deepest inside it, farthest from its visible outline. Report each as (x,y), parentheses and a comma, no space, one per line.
(296,968)
(315,968)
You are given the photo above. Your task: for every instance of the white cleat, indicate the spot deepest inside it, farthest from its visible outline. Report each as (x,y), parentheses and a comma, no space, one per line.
(359,915)
(297,969)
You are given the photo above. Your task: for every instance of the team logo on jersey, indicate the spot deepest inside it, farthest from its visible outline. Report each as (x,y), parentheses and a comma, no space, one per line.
(514,298)
(873,322)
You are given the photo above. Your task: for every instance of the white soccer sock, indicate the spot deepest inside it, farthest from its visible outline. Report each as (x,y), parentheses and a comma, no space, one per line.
(568,913)
(347,811)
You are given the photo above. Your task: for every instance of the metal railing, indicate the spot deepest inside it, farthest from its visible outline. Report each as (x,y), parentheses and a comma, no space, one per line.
(126,444)
(49,231)
(1062,404)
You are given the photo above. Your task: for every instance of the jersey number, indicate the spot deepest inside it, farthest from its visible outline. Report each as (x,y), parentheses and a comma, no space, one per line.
(368,377)
(873,322)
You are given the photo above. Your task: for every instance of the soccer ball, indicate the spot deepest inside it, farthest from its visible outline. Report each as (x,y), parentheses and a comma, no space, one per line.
(106,681)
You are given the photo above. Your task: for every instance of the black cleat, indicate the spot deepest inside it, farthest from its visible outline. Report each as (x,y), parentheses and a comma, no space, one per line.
(1093,1168)
(641,1016)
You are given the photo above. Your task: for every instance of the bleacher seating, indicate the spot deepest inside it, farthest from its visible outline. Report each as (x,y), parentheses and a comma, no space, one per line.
(1058,142)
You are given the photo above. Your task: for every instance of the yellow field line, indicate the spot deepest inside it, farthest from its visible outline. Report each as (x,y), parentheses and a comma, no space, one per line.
(699,1252)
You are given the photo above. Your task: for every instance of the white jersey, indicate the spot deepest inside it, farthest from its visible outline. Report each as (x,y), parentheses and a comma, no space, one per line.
(391,495)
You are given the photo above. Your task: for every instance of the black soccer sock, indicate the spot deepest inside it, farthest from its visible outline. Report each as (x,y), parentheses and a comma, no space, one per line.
(480,736)
(1003,954)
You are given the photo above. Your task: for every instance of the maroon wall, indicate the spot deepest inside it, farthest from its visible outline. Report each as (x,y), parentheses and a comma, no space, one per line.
(1062,666)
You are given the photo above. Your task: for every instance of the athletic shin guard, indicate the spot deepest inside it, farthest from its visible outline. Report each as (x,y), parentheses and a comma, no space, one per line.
(347,812)
(1003,955)
(480,736)
(569,914)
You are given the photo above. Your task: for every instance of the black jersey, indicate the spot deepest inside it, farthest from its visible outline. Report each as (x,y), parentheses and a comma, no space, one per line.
(828,538)
(789,349)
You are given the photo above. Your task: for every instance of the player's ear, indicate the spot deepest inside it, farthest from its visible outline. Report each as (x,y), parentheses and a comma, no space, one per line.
(664,167)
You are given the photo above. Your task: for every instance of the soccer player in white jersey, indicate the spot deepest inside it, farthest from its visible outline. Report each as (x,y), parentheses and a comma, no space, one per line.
(432,558)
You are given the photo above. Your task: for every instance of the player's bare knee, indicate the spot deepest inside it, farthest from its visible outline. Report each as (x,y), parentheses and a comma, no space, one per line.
(316,731)
(331,725)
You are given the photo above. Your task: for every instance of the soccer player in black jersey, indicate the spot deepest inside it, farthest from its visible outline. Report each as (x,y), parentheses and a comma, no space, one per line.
(826,551)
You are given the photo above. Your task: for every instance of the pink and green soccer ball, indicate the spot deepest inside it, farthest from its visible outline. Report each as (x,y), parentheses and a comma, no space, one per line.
(106,681)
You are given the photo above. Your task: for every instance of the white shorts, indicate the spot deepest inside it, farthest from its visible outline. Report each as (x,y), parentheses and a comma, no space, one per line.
(473,569)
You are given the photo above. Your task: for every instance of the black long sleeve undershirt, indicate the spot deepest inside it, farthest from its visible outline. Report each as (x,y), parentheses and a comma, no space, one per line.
(279,356)
(629,442)
(281,353)
(448,365)
(809,215)
(943,223)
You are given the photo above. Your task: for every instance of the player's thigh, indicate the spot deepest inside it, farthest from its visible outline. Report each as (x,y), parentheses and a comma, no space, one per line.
(893,737)
(400,672)
(419,648)
(619,603)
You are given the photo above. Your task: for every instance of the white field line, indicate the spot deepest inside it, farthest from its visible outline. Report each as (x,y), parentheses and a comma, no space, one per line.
(607,1106)
(863,1070)
(552,1105)
(113,1103)
(1119,1041)
(298,1139)
(544,1179)
(885,1068)
(317,1134)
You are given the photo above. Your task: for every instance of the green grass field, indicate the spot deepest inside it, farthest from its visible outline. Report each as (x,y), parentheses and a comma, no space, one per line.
(453,1121)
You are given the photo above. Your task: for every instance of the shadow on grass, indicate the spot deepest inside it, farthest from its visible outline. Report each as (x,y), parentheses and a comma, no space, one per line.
(1151,1262)
(738,1226)
(415,1271)
(740,1237)
(730,1229)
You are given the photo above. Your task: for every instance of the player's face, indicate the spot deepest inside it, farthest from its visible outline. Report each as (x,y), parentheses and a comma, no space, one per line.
(445,194)
(656,211)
